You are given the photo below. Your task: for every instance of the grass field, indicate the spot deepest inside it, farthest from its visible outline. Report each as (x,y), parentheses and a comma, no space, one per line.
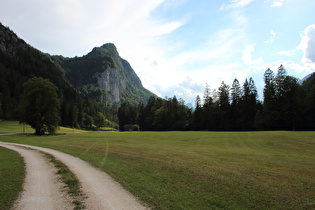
(200,170)
(15,127)
(12,173)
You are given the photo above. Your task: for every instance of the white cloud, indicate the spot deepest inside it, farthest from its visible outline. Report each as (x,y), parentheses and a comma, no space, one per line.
(235,4)
(288,53)
(201,64)
(74,27)
(278,3)
(307,45)
(272,39)
(247,55)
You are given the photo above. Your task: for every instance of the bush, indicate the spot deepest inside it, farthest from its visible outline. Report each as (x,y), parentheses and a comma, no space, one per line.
(136,128)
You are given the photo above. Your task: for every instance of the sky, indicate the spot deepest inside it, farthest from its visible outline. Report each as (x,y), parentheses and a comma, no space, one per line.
(176,47)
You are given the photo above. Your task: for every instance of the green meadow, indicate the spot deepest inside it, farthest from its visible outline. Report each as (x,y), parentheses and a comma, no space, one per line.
(198,170)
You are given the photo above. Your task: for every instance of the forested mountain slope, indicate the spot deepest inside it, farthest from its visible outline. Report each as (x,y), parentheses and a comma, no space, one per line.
(20,62)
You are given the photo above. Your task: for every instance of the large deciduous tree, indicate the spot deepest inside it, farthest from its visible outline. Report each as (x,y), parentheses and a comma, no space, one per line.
(40,106)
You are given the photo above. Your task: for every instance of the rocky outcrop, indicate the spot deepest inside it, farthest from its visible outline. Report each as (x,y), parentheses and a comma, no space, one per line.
(111,81)
(10,44)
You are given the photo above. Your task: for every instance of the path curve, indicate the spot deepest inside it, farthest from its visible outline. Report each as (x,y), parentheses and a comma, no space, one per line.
(42,189)
(101,190)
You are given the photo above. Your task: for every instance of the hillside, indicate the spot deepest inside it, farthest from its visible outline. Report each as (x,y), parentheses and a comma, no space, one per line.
(308,82)
(19,61)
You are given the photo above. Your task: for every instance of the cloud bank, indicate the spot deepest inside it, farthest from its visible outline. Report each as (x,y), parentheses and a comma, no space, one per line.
(308,47)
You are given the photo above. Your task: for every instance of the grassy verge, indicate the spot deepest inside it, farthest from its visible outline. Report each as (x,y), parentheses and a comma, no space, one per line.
(201,170)
(12,174)
(71,181)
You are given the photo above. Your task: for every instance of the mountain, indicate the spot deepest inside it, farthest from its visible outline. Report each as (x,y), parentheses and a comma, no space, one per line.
(308,81)
(304,78)
(104,75)
(86,85)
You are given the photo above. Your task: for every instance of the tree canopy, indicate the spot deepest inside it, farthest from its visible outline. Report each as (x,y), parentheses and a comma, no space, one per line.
(40,106)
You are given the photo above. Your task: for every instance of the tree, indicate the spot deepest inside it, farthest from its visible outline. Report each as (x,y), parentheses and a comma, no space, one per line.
(235,112)
(236,92)
(40,105)
(281,75)
(291,102)
(127,115)
(310,108)
(270,100)
(197,115)
(0,106)
(206,95)
(268,76)
(281,100)
(208,120)
(88,121)
(224,96)
(249,104)
(258,120)
(100,120)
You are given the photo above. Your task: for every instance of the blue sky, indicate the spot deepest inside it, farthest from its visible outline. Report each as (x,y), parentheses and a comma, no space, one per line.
(176,46)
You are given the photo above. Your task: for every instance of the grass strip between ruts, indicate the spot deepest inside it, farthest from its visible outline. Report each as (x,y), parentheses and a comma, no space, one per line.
(70,180)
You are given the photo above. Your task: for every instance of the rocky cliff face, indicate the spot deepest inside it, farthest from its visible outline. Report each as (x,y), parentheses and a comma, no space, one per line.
(111,81)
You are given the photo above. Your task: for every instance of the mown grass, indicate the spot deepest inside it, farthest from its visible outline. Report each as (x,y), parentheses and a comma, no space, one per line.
(12,174)
(16,127)
(201,170)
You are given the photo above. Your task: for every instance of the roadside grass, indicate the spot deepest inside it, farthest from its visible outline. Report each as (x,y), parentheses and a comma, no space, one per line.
(12,174)
(200,170)
(71,181)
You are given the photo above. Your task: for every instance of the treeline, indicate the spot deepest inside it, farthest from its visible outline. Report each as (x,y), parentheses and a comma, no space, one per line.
(286,106)
(157,114)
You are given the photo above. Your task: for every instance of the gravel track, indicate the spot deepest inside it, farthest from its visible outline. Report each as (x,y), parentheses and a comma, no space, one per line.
(42,189)
(101,190)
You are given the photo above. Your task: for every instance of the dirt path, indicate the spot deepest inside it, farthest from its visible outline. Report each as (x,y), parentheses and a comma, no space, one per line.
(101,190)
(42,190)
